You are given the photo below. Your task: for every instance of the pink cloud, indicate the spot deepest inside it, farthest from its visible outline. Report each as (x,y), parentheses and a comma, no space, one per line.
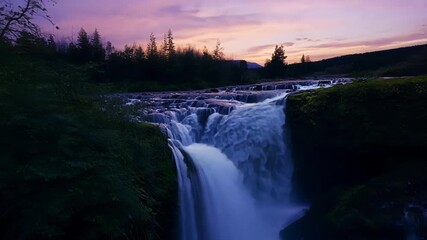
(374,42)
(268,47)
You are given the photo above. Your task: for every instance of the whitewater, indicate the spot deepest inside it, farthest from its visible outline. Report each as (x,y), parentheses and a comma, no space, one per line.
(232,157)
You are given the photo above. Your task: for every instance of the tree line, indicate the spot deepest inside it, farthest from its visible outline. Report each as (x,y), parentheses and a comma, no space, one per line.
(162,62)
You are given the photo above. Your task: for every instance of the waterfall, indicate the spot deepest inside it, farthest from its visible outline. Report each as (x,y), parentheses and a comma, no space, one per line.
(234,167)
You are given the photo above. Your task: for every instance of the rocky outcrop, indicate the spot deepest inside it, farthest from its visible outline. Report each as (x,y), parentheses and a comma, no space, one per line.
(360,153)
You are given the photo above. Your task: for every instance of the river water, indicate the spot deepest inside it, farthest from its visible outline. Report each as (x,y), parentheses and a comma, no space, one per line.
(232,157)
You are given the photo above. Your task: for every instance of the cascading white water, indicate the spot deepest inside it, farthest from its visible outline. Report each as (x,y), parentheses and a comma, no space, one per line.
(229,211)
(234,170)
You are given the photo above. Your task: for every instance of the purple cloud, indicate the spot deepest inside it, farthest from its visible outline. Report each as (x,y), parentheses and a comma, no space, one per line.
(269,47)
(375,42)
(307,39)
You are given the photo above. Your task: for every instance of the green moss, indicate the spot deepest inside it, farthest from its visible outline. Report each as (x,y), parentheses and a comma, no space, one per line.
(70,171)
(360,157)
(364,126)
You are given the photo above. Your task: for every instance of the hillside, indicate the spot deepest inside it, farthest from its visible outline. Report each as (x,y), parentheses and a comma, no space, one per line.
(407,61)
(68,169)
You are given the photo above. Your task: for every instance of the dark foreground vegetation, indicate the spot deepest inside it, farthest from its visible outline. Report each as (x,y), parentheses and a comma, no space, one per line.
(68,170)
(360,154)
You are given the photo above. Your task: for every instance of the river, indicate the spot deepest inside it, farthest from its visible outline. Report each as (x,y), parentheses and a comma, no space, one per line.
(232,156)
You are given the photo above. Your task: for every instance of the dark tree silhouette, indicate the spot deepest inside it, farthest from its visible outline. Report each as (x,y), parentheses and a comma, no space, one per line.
(152,47)
(187,66)
(84,46)
(171,45)
(168,46)
(276,66)
(98,51)
(303,59)
(139,53)
(51,42)
(206,54)
(218,53)
(83,41)
(109,49)
(164,46)
(17,16)
(31,44)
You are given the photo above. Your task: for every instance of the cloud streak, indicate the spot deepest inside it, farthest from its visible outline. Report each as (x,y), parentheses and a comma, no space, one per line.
(374,42)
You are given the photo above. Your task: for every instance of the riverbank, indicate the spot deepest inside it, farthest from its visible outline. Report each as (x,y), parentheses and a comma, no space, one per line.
(360,160)
(69,170)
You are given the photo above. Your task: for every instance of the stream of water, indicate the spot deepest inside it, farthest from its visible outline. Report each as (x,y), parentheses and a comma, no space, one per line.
(230,149)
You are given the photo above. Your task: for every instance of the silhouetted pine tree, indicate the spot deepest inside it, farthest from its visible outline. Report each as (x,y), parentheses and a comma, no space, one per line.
(97,50)
(152,47)
(170,45)
(276,66)
(84,47)
(218,53)
(109,49)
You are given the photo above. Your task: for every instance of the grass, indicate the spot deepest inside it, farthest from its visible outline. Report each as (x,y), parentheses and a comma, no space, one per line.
(68,170)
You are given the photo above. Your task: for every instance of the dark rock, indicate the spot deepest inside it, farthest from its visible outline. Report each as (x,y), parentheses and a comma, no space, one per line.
(356,147)
(258,88)
(212,90)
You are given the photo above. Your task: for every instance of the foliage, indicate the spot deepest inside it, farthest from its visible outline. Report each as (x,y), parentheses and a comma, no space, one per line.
(70,171)
(152,48)
(98,51)
(305,59)
(88,48)
(168,47)
(275,67)
(174,68)
(218,53)
(17,16)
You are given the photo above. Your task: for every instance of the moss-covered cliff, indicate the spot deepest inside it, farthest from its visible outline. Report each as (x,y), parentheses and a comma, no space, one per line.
(360,154)
(70,171)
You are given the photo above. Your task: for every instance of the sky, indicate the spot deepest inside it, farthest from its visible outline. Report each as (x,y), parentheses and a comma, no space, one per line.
(250,29)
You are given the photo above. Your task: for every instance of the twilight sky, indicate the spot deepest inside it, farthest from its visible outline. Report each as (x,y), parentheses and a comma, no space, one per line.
(249,29)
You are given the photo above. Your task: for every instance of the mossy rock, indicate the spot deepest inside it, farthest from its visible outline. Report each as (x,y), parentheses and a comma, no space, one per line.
(391,206)
(360,157)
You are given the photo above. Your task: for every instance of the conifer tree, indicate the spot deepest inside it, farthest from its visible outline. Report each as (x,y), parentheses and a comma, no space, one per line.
(168,46)
(84,46)
(152,47)
(171,45)
(109,49)
(98,51)
(276,66)
(218,53)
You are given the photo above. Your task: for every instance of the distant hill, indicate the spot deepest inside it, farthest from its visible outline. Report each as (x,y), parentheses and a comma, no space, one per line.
(405,61)
(250,65)
(253,65)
